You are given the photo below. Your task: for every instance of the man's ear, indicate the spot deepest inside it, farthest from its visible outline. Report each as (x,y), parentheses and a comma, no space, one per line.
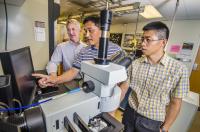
(100,32)
(164,42)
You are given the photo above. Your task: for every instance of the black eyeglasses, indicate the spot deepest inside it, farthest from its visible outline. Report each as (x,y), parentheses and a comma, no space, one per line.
(147,40)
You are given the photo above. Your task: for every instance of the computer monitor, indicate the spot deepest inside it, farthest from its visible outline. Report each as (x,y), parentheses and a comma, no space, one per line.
(18,63)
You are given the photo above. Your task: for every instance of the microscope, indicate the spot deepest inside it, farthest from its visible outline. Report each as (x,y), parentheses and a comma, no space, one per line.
(85,110)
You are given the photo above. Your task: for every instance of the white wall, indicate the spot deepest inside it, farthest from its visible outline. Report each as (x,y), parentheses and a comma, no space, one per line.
(183,31)
(20,32)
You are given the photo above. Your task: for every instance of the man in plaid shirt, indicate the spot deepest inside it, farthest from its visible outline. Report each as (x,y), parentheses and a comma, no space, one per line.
(158,84)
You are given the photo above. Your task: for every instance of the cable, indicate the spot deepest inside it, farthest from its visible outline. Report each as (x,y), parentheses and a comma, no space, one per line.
(173,19)
(6,13)
(19,104)
(41,102)
(136,26)
(25,107)
(3,113)
(4,104)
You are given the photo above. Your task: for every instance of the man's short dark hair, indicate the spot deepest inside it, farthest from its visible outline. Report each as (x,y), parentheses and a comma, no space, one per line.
(162,29)
(94,19)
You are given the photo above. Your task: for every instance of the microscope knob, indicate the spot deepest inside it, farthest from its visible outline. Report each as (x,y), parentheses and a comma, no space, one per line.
(88,86)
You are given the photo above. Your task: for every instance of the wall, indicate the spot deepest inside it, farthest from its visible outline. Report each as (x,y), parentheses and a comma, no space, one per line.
(20,31)
(183,31)
(61,33)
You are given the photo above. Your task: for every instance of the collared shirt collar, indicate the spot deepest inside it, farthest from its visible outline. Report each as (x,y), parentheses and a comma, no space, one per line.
(79,42)
(93,47)
(163,60)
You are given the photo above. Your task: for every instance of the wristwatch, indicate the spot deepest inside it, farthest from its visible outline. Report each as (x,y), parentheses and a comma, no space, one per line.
(163,129)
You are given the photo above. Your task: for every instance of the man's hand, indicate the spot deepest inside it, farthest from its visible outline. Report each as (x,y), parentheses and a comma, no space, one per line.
(45,80)
(172,112)
(163,130)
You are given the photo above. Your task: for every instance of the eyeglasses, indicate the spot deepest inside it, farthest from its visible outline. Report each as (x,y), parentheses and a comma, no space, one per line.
(148,41)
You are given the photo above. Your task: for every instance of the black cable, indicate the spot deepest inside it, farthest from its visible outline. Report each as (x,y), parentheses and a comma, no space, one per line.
(136,26)
(173,19)
(6,13)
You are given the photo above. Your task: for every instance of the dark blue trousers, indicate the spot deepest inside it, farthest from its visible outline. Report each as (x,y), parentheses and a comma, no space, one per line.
(135,122)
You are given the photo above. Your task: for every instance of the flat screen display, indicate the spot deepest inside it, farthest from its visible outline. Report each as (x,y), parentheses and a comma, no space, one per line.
(19,65)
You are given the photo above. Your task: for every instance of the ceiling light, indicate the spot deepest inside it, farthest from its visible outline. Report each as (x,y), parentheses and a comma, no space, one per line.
(123,8)
(62,22)
(150,12)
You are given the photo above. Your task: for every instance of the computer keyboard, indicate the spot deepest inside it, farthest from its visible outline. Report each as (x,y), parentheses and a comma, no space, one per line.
(51,91)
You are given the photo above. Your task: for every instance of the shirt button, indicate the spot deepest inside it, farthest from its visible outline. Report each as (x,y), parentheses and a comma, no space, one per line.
(139,108)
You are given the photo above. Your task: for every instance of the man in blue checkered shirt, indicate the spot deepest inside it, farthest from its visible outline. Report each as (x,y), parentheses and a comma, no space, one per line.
(158,84)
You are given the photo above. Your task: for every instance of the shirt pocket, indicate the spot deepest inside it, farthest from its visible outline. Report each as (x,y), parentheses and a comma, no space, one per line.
(161,86)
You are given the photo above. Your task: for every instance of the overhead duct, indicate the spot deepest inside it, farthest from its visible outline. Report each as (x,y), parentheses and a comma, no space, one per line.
(118,10)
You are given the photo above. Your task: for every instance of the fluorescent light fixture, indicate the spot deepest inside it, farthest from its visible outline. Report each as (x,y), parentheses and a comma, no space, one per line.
(75,16)
(62,22)
(123,8)
(150,12)
(92,13)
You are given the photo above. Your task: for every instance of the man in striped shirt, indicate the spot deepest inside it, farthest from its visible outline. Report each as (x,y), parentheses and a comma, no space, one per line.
(92,34)
(158,84)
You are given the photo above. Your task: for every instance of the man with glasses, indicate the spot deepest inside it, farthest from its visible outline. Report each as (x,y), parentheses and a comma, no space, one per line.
(92,34)
(158,84)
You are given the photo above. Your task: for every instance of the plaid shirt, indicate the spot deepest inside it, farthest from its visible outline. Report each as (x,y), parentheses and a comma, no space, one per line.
(154,85)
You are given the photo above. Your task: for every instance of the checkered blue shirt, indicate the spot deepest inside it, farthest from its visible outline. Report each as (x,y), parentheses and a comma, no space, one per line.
(64,53)
(154,85)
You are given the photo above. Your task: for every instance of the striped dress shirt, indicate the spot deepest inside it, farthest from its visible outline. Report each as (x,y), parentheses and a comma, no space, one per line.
(90,52)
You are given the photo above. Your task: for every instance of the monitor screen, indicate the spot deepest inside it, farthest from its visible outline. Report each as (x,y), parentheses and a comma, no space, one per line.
(18,63)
